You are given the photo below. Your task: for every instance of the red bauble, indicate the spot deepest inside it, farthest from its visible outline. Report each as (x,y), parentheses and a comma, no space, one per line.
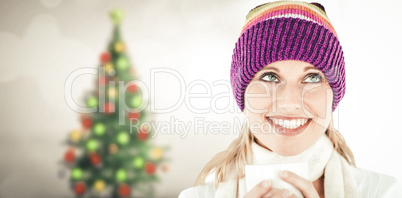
(79,188)
(124,190)
(109,108)
(150,168)
(69,156)
(102,81)
(95,159)
(142,134)
(105,57)
(133,115)
(86,123)
(132,88)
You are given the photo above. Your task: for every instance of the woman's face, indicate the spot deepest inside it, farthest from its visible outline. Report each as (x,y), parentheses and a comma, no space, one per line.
(280,98)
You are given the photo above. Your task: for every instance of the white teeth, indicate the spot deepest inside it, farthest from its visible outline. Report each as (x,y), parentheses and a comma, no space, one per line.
(280,122)
(290,124)
(299,122)
(287,124)
(293,124)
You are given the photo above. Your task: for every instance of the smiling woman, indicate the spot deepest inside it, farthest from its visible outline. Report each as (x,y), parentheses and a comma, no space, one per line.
(288,76)
(298,96)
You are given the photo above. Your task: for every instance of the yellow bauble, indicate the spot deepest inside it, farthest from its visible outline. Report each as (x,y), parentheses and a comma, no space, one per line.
(99,185)
(108,67)
(75,135)
(112,92)
(156,153)
(119,47)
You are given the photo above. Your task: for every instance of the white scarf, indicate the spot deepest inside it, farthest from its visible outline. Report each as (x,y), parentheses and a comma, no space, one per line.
(322,159)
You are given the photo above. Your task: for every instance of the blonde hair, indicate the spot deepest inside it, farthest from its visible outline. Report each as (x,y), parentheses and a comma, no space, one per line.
(239,152)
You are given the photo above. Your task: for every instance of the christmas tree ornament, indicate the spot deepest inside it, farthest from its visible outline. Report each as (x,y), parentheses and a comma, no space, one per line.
(99,185)
(112,92)
(99,128)
(132,88)
(138,162)
(76,173)
(124,190)
(122,63)
(80,188)
(109,108)
(156,153)
(113,148)
(105,57)
(86,123)
(116,15)
(75,135)
(150,168)
(95,159)
(108,67)
(119,47)
(142,134)
(121,175)
(123,138)
(92,102)
(92,145)
(136,101)
(134,116)
(69,156)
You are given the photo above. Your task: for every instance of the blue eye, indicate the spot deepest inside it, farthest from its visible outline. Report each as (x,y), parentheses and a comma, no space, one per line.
(271,77)
(314,78)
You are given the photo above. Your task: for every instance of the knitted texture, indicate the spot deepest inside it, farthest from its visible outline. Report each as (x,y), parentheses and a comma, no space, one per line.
(287,30)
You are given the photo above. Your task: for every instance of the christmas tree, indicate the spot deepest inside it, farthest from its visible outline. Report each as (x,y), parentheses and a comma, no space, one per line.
(107,155)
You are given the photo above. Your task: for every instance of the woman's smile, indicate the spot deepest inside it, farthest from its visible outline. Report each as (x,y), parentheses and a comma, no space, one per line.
(289,127)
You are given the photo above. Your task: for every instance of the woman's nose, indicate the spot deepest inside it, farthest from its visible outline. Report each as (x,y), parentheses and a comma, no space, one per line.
(288,97)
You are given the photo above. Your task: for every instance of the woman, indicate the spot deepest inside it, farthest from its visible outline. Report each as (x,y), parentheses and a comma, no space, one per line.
(288,77)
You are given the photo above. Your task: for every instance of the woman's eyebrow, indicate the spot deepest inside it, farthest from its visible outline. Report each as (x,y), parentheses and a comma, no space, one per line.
(307,68)
(273,68)
(276,69)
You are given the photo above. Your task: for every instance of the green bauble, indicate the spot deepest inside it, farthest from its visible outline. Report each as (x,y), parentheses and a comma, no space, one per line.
(138,162)
(123,138)
(99,128)
(92,145)
(122,63)
(76,173)
(136,101)
(92,101)
(121,175)
(116,15)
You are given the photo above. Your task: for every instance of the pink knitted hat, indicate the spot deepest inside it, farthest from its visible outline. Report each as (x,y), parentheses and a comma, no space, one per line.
(287,30)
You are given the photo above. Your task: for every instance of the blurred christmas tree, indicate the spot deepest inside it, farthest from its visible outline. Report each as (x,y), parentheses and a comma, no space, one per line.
(108,157)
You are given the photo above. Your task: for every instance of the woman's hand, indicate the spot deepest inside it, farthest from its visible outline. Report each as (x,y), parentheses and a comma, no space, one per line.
(264,188)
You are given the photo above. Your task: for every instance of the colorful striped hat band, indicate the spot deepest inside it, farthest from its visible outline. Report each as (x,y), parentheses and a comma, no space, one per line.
(287,30)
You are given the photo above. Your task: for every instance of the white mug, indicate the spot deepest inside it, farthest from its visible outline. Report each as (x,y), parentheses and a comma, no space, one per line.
(256,173)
